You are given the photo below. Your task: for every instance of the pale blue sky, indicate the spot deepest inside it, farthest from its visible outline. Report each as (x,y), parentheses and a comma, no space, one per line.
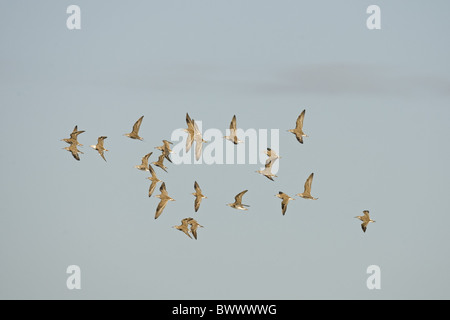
(377,118)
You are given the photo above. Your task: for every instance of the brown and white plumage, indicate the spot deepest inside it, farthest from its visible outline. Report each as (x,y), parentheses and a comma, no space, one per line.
(191,131)
(198,196)
(165,148)
(134,134)
(365,219)
(237,204)
(154,179)
(233,137)
(307,191)
(74,137)
(99,146)
(164,198)
(198,142)
(74,150)
(272,155)
(184,227)
(144,162)
(194,226)
(298,131)
(267,172)
(160,162)
(285,200)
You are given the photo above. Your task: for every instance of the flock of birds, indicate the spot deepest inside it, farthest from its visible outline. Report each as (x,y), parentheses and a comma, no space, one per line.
(190,225)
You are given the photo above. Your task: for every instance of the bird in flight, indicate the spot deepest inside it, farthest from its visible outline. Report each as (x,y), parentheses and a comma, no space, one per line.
(298,131)
(237,204)
(194,225)
(165,148)
(272,155)
(164,198)
(233,137)
(73,149)
(154,179)
(74,137)
(198,141)
(365,219)
(184,227)
(99,147)
(285,200)
(160,162)
(267,172)
(191,132)
(144,162)
(198,196)
(134,134)
(307,192)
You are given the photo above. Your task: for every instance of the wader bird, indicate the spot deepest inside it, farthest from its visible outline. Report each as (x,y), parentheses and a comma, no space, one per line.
(233,137)
(307,192)
(198,196)
(184,227)
(99,147)
(365,219)
(267,172)
(74,136)
(165,148)
(237,204)
(164,198)
(134,133)
(190,130)
(73,149)
(194,225)
(160,162)
(154,179)
(298,131)
(144,162)
(285,201)
(272,155)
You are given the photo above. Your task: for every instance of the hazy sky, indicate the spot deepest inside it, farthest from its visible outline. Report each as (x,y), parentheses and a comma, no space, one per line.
(377,110)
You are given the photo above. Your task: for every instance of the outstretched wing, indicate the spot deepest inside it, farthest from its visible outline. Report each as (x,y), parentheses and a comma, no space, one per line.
(238,198)
(308,184)
(162,204)
(299,123)
(152,188)
(137,125)
(233,124)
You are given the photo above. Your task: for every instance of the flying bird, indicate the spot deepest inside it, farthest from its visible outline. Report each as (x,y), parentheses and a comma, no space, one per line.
(198,196)
(184,227)
(73,149)
(164,198)
(99,147)
(298,131)
(233,137)
(267,172)
(74,137)
(165,148)
(134,133)
(237,204)
(365,219)
(160,162)
(194,225)
(144,162)
(272,155)
(154,179)
(285,200)
(198,142)
(307,192)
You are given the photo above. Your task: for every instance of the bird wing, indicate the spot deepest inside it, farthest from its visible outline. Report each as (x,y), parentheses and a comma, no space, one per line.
(308,184)
(152,171)
(238,198)
(152,188)
(299,138)
(198,200)
(198,146)
(197,187)
(189,140)
(102,154)
(364,225)
(233,124)
(137,125)
(75,154)
(145,159)
(100,142)
(194,230)
(162,189)
(366,215)
(162,204)
(284,204)
(299,123)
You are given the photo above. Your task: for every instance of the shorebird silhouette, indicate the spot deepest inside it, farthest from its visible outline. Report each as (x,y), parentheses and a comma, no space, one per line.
(184,227)
(237,204)
(154,179)
(198,196)
(160,162)
(298,131)
(233,137)
(365,219)
(73,149)
(74,137)
(99,147)
(164,198)
(307,192)
(165,148)
(144,162)
(285,200)
(267,172)
(134,134)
